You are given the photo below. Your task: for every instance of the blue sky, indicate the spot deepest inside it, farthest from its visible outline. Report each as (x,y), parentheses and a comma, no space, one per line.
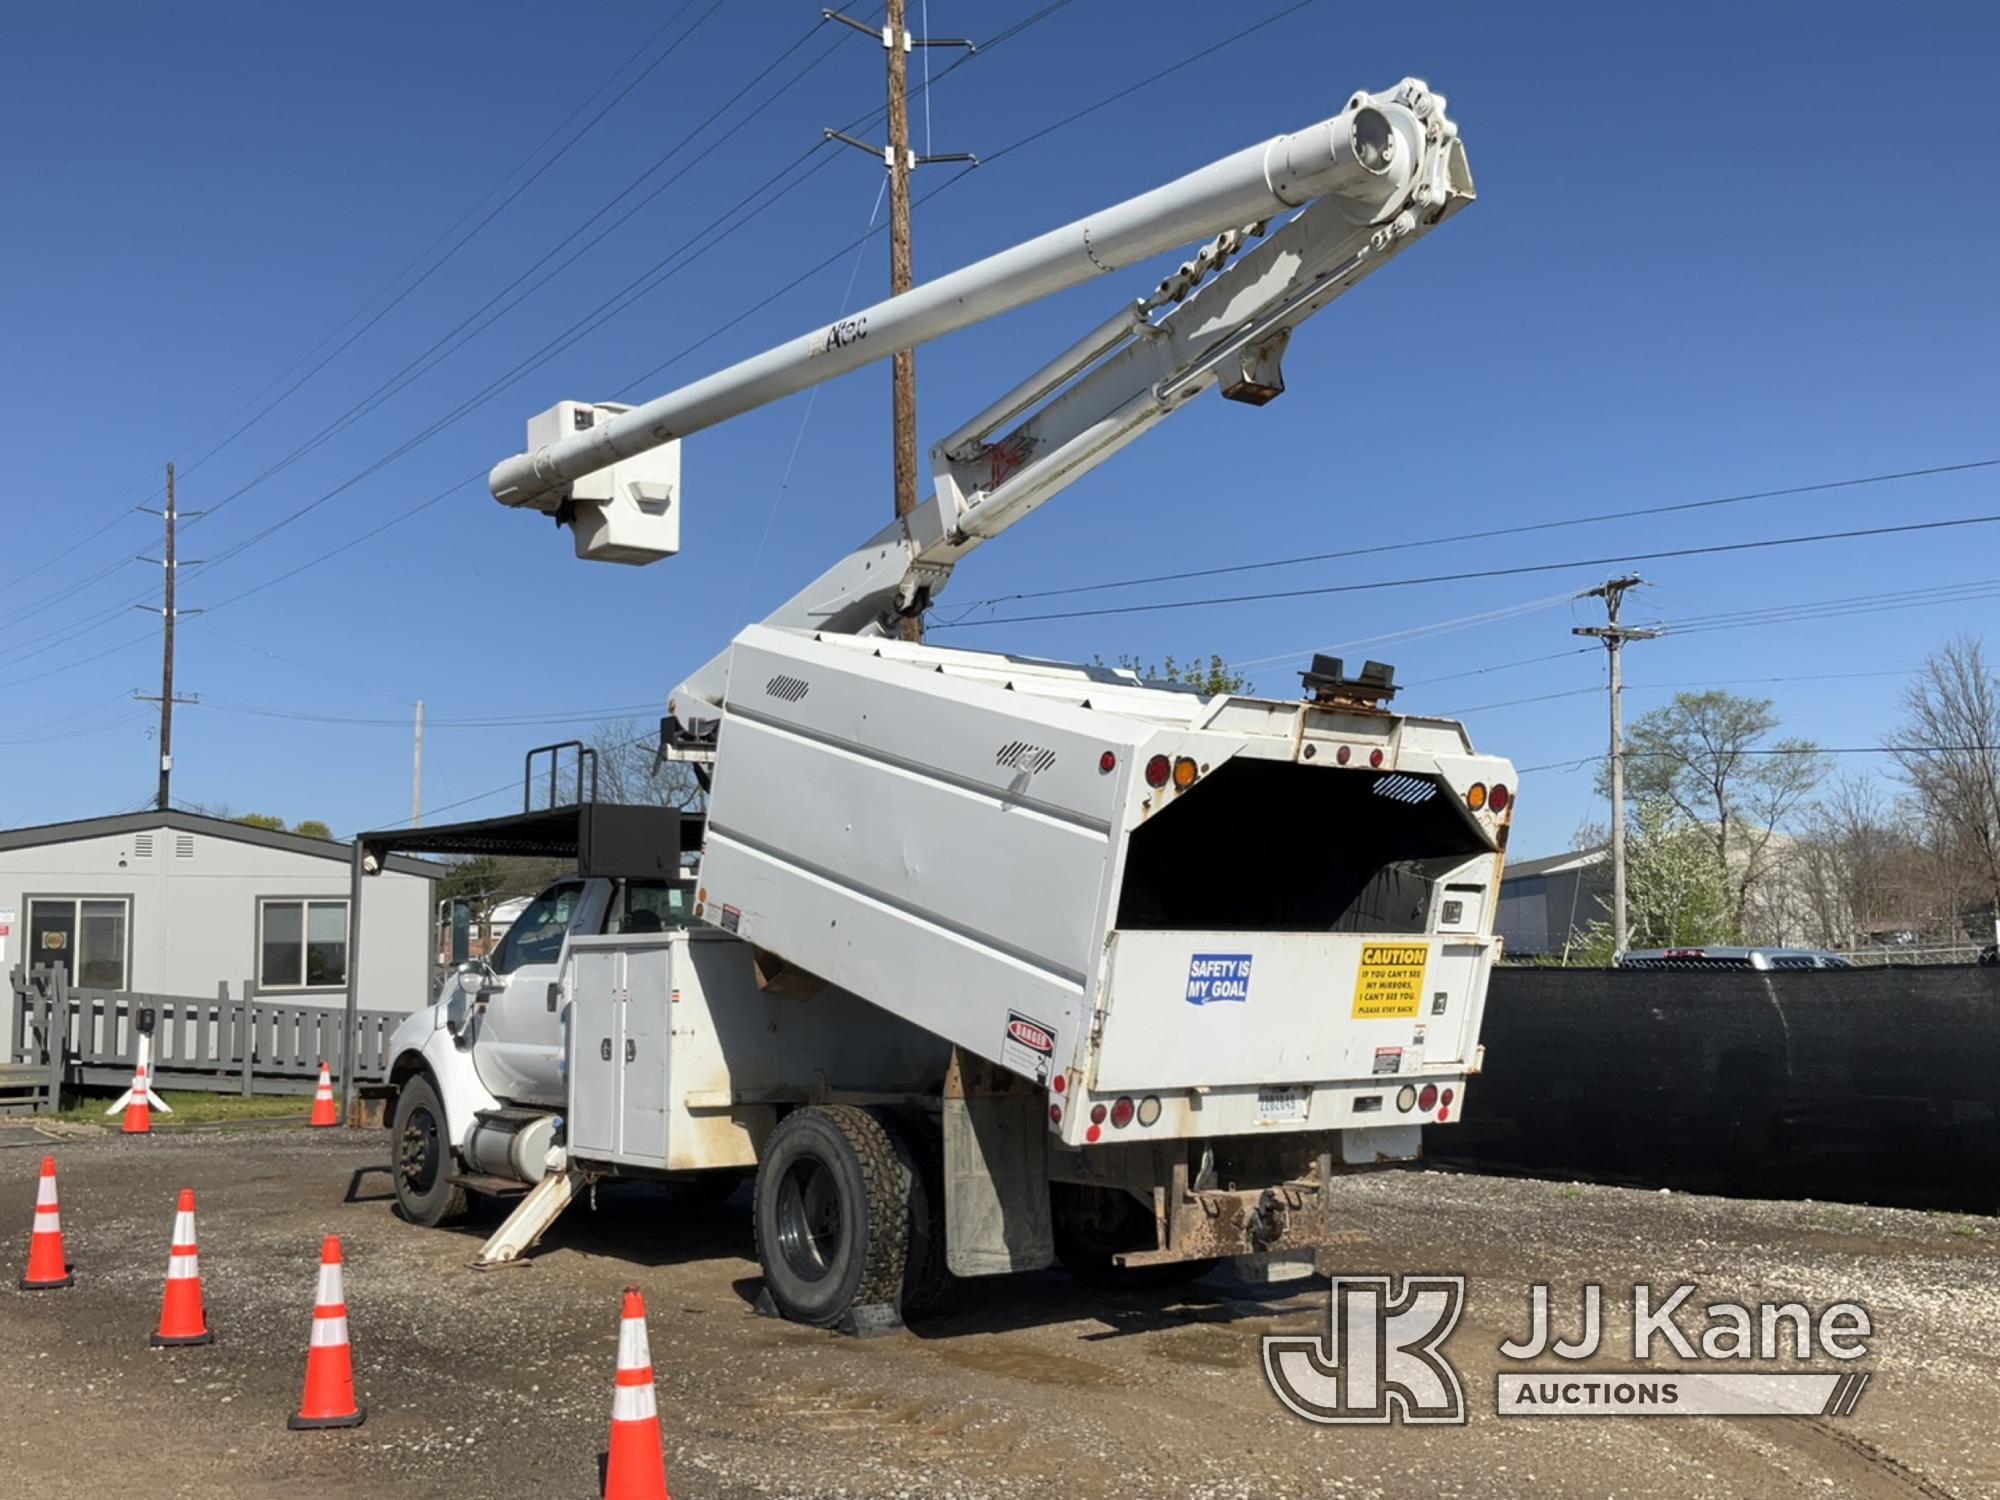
(1717,249)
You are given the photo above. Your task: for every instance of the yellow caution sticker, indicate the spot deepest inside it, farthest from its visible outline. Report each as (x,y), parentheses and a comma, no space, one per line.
(1390,985)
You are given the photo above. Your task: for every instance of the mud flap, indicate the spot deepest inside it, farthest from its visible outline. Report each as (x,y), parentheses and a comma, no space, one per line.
(996,1171)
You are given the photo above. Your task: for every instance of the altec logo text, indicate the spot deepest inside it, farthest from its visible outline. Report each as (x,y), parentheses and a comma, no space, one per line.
(1382,1358)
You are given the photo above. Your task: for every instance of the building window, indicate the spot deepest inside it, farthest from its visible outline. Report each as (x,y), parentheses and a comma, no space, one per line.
(301,945)
(86,935)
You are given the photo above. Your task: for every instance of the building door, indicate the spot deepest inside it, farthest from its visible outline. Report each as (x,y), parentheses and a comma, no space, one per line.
(86,936)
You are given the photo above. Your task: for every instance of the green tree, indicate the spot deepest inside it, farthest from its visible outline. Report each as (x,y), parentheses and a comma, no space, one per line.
(312,828)
(261,820)
(1212,676)
(1711,758)
(1675,893)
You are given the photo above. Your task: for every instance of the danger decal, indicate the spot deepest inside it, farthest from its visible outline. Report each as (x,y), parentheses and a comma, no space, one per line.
(1029,1046)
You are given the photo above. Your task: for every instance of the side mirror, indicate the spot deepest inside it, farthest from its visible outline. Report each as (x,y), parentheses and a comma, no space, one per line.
(555,996)
(454,1013)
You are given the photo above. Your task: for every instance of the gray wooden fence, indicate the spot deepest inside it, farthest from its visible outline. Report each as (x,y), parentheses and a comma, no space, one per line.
(250,1045)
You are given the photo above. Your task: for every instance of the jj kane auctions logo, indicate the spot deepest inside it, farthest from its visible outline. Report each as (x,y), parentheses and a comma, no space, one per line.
(1381,1359)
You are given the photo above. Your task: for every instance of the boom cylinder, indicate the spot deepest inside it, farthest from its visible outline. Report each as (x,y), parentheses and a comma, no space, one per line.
(1367,157)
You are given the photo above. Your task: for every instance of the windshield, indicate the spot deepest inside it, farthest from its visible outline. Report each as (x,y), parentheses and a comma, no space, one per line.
(537,934)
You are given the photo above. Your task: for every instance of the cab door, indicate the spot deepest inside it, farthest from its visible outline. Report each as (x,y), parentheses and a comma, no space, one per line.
(517,1046)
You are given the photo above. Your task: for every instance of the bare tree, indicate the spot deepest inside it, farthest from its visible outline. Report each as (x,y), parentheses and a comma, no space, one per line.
(1710,757)
(1948,749)
(1858,866)
(626,750)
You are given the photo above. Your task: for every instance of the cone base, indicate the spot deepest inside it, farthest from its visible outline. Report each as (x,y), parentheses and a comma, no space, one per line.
(315,1424)
(182,1341)
(46,1286)
(321,1124)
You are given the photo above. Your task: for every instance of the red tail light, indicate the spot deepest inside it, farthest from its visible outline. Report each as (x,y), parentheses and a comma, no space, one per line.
(1121,1112)
(1097,1114)
(1427,1097)
(1158,769)
(1375,758)
(1499,797)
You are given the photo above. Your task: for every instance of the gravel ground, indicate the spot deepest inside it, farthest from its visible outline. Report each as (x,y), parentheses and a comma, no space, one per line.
(499,1384)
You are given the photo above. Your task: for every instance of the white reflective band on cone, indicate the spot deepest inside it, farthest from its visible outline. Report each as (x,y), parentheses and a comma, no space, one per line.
(47,1220)
(632,1351)
(330,1294)
(329,1331)
(633,1403)
(183,1267)
(184,1228)
(45,1195)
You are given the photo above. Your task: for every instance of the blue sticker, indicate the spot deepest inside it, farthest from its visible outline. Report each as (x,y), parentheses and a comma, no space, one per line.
(1216,977)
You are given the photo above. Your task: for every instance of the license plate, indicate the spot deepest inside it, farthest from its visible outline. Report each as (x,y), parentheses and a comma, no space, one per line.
(1274,1105)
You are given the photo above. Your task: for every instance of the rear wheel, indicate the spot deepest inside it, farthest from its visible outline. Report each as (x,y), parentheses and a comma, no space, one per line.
(420,1157)
(831,1214)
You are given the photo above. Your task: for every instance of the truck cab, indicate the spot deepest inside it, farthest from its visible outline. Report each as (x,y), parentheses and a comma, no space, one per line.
(514,997)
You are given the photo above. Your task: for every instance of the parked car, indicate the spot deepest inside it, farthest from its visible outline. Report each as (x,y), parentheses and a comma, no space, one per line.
(1734,958)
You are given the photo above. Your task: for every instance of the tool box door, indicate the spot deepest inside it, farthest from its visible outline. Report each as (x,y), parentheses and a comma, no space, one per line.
(596,1055)
(646,1061)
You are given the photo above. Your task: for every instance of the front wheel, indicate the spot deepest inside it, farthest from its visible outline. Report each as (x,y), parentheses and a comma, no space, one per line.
(420,1157)
(831,1214)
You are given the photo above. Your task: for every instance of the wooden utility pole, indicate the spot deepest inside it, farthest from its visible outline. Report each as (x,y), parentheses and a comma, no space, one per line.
(168,614)
(903,369)
(417,773)
(901,159)
(1614,635)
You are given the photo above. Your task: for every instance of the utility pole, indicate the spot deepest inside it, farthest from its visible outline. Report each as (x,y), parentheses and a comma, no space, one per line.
(168,614)
(1614,635)
(417,773)
(901,160)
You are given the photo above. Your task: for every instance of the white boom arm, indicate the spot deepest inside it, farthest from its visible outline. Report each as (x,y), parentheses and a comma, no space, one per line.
(1368,182)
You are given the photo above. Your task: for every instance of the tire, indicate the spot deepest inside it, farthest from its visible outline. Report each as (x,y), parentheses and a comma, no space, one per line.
(927,1279)
(831,1214)
(1094,1224)
(420,1159)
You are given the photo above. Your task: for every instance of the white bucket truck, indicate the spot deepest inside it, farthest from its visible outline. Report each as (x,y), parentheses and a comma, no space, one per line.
(989,961)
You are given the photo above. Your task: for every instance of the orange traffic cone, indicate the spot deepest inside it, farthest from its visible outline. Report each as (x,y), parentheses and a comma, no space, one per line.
(324,1110)
(182,1320)
(638,1465)
(329,1399)
(47,1270)
(139,1113)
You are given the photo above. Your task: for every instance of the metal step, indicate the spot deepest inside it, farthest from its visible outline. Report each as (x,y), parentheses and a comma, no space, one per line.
(530,1220)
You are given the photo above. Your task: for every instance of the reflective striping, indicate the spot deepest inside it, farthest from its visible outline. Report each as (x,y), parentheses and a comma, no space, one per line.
(47,1221)
(329,1331)
(330,1294)
(183,1267)
(633,1353)
(633,1403)
(184,1227)
(45,1195)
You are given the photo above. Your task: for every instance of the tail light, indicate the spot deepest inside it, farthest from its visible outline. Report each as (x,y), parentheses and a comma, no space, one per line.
(1158,769)
(1343,755)
(1375,759)
(1499,797)
(1097,1114)
(1185,772)
(1108,762)
(1427,1098)
(1149,1110)
(1475,795)
(1406,1097)
(1122,1112)
(1055,1114)
(1448,1096)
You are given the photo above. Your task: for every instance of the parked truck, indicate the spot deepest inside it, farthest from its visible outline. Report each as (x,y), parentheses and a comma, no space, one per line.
(988,960)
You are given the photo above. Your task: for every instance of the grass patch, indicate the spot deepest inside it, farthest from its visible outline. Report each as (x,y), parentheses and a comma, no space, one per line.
(194,1109)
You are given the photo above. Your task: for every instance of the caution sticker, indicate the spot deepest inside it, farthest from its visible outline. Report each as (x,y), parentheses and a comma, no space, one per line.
(1390,985)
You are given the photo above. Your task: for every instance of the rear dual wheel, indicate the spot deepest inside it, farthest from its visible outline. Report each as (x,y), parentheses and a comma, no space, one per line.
(845,1216)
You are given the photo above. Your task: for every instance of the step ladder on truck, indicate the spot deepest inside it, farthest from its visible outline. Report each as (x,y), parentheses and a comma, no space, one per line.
(990,961)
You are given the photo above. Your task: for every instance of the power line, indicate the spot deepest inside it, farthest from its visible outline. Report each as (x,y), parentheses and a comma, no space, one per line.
(497,721)
(1486,534)
(1578,764)
(1711,550)
(414,262)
